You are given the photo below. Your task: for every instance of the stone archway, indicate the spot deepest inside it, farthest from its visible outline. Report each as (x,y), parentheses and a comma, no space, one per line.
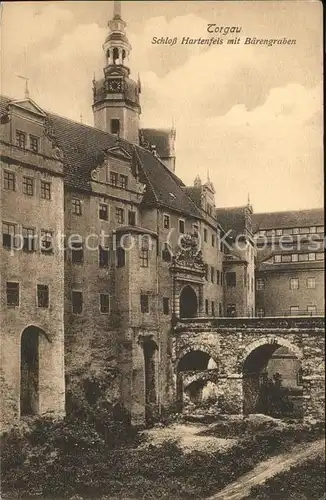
(188,302)
(271,377)
(29,370)
(195,370)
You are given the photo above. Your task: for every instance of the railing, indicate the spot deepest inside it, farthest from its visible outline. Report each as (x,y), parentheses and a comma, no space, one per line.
(275,322)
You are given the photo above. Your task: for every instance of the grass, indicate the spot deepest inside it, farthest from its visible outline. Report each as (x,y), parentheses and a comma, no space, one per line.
(100,457)
(302,482)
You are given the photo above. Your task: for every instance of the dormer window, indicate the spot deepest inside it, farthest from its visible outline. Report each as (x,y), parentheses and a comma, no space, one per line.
(115,126)
(123,181)
(113,178)
(20,139)
(34,143)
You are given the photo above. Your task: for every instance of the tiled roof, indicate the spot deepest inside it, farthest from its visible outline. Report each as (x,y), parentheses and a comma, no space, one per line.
(195,194)
(232,219)
(81,146)
(158,137)
(295,218)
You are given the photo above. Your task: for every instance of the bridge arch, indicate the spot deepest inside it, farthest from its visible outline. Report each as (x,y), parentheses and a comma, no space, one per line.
(267,340)
(272,377)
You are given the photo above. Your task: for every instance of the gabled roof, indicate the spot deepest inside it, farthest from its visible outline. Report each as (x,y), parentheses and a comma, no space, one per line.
(232,219)
(159,138)
(288,219)
(82,144)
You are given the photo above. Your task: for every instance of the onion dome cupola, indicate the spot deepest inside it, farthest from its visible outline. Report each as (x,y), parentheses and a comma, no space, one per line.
(116,103)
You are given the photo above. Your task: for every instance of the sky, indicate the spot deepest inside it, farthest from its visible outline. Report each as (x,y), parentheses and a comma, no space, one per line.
(250,116)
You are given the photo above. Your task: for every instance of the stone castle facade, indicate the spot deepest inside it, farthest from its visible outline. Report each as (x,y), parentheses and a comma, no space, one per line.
(104,249)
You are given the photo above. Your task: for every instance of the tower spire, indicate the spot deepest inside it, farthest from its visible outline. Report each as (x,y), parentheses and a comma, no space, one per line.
(117,9)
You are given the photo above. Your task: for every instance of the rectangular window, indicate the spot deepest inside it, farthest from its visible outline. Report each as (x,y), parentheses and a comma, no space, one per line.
(181,226)
(294,310)
(123,181)
(286,258)
(222,278)
(213,308)
(76,206)
(294,257)
(277,258)
(144,303)
(166,305)
(312,310)
(166,253)
(231,279)
(77,302)
(77,253)
(260,312)
(217,277)
(104,303)
(113,178)
(103,256)
(46,241)
(28,239)
(311,282)
(270,232)
(45,190)
(8,235)
(262,232)
(206,306)
(20,139)
(166,221)
(212,274)
(260,284)
(304,230)
(143,257)
(205,235)
(28,186)
(320,229)
(115,126)
(34,143)
(119,215)
(220,309)
(213,240)
(12,293)
(303,257)
(103,211)
(121,257)
(312,256)
(131,218)
(294,284)
(279,232)
(9,180)
(312,229)
(43,296)
(320,256)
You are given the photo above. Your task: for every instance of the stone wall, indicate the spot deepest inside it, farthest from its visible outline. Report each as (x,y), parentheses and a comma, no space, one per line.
(230,342)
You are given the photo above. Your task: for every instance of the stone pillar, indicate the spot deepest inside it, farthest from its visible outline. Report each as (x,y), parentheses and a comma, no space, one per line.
(314,397)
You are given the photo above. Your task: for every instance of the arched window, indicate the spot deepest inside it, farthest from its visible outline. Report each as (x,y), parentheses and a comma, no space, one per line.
(123,55)
(115,55)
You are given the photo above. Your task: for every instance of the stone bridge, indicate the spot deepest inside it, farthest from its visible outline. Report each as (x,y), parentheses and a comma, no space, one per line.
(242,351)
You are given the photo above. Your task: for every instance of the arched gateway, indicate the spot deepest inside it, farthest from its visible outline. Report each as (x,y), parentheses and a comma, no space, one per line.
(265,365)
(188,303)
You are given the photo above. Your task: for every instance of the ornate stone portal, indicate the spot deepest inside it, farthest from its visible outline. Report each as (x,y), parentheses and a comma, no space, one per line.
(188,271)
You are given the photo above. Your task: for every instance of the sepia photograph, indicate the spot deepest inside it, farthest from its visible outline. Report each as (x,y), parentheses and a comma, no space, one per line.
(162,315)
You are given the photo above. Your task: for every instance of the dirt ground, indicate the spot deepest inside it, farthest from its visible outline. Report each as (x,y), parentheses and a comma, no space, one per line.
(188,438)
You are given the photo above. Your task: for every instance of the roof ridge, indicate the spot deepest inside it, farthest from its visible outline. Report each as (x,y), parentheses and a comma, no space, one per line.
(146,176)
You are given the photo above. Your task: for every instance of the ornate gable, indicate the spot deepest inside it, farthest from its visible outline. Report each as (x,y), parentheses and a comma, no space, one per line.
(27,106)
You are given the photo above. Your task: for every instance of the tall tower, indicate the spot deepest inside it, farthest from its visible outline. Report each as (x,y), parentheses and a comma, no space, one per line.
(116,96)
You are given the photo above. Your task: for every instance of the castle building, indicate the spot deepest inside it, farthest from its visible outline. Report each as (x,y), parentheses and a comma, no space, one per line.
(103,247)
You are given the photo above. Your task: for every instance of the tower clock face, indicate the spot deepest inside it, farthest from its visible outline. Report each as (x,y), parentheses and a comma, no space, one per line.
(115,85)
